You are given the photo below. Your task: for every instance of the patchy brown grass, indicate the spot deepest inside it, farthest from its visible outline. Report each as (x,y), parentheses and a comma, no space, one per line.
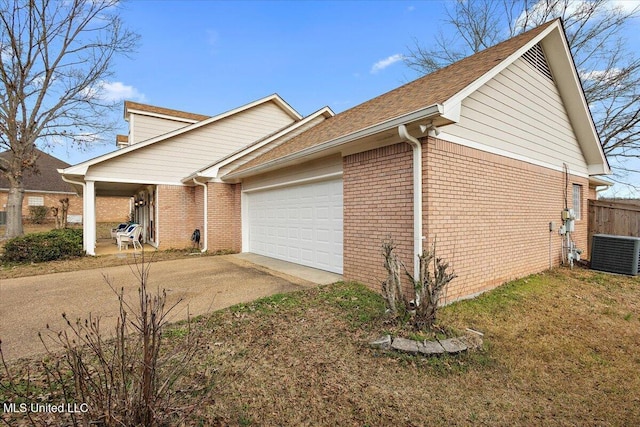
(561,348)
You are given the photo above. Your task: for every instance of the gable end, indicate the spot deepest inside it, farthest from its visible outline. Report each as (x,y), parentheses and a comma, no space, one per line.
(535,57)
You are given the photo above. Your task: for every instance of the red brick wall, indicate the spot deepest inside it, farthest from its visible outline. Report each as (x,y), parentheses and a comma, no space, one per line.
(178,216)
(378,203)
(489,214)
(224,217)
(108,209)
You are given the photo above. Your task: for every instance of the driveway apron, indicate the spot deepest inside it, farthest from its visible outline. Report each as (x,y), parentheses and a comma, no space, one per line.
(202,285)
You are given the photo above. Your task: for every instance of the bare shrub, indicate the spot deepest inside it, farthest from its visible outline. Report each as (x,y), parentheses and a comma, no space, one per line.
(121,381)
(392,285)
(429,286)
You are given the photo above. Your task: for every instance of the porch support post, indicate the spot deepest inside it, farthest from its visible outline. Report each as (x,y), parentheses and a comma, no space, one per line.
(89,218)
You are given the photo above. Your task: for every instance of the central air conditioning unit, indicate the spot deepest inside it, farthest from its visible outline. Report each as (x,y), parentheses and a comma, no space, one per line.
(615,254)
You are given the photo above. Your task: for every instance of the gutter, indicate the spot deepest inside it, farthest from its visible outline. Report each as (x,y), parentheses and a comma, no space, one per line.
(417,196)
(432,110)
(205,216)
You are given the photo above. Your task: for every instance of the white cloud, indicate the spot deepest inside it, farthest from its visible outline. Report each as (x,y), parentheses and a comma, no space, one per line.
(384,63)
(118,91)
(114,92)
(627,5)
(604,75)
(544,10)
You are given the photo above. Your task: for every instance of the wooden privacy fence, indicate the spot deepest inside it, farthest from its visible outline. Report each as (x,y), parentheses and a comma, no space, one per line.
(617,218)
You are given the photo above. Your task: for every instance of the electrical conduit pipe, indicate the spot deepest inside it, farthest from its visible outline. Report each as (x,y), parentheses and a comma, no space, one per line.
(417,195)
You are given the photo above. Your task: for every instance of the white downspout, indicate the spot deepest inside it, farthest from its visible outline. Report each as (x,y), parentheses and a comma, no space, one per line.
(417,195)
(206,217)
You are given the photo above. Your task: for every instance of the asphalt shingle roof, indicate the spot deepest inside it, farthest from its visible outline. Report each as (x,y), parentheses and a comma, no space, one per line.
(431,89)
(46,179)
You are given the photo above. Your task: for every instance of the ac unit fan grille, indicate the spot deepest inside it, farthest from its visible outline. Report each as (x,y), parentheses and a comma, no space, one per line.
(615,254)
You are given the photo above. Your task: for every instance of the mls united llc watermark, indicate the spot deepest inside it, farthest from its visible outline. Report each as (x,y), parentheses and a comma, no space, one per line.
(66,408)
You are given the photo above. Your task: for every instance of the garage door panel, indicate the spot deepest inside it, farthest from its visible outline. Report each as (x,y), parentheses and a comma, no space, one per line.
(301,224)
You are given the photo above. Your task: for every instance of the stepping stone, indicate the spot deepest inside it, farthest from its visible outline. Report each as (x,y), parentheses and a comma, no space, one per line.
(383,343)
(430,348)
(453,345)
(403,344)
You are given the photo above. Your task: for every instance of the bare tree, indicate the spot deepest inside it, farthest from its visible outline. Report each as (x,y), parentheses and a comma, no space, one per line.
(55,59)
(609,71)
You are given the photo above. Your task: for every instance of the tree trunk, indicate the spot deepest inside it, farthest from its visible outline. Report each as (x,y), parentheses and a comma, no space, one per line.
(14,210)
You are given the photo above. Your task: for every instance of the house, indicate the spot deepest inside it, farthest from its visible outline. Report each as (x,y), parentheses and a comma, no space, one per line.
(481,156)
(45,187)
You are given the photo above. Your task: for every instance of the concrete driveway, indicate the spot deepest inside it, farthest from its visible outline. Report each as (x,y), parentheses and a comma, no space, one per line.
(204,284)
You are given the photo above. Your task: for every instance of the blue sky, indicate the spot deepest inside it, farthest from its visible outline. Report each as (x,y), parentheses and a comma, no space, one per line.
(208,57)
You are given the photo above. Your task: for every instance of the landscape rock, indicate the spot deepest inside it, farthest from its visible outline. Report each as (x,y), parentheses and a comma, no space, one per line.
(453,345)
(472,341)
(383,343)
(430,348)
(403,344)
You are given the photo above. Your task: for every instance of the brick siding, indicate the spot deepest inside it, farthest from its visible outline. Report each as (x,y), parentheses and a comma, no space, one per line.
(178,215)
(108,209)
(378,204)
(489,214)
(111,209)
(224,217)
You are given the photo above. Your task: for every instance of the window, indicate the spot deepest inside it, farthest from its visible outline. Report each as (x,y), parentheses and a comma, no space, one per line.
(35,201)
(577,200)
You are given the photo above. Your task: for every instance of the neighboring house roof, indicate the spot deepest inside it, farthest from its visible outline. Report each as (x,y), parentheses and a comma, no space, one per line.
(130,106)
(81,168)
(439,93)
(45,179)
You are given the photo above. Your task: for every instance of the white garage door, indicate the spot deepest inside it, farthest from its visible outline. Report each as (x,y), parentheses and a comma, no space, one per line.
(301,224)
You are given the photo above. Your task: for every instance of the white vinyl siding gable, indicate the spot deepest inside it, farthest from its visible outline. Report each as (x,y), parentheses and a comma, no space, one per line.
(270,146)
(170,160)
(520,112)
(147,127)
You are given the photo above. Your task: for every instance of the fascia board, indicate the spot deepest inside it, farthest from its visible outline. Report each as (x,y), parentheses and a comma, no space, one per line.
(570,88)
(426,112)
(211,171)
(454,103)
(598,169)
(79,169)
(285,106)
(599,182)
(160,116)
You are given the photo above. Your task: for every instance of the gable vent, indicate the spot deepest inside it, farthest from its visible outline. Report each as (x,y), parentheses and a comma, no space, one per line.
(615,254)
(535,57)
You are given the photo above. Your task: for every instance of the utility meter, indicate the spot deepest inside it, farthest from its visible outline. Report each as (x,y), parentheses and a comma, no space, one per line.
(568,214)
